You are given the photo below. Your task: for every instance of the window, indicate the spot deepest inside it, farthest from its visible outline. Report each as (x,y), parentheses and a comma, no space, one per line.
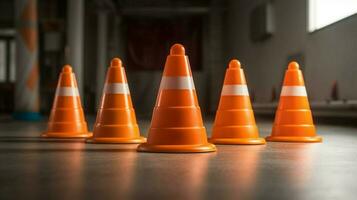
(7,59)
(12,64)
(325,12)
(2,61)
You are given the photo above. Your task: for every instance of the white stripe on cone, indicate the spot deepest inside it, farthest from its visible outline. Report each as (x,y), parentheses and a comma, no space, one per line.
(235,90)
(179,82)
(67,91)
(116,88)
(293,91)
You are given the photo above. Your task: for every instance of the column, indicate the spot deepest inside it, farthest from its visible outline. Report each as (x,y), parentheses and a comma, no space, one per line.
(27,69)
(102,64)
(75,39)
(216,61)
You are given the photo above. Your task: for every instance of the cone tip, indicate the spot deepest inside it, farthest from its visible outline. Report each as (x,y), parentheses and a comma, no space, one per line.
(116,62)
(177,49)
(234,64)
(67,69)
(293,65)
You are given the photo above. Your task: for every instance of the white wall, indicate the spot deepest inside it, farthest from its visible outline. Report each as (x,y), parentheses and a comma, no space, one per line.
(329,53)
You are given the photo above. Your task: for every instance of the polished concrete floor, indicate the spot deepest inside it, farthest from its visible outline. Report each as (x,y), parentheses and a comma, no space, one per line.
(33,168)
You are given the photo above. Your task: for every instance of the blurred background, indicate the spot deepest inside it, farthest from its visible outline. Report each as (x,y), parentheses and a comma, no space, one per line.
(37,37)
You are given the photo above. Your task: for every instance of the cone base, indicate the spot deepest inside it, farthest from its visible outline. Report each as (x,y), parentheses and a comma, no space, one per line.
(204,148)
(294,139)
(117,140)
(66,135)
(243,141)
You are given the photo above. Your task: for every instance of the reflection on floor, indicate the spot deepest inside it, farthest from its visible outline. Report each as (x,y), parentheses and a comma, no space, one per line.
(34,168)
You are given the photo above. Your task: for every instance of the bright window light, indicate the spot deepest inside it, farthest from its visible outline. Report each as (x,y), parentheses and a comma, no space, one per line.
(325,12)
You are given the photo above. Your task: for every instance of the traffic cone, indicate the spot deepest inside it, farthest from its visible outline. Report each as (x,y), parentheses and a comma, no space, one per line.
(293,118)
(67,119)
(176,124)
(116,121)
(235,123)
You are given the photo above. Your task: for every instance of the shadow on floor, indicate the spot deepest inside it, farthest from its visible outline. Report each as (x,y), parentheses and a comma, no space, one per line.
(57,150)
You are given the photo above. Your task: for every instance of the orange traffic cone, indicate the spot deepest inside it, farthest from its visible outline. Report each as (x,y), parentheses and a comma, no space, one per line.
(235,123)
(176,124)
(67,118)
(293,119)
(116,121)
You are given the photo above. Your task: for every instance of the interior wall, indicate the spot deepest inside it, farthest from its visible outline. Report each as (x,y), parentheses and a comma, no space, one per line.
(329,53)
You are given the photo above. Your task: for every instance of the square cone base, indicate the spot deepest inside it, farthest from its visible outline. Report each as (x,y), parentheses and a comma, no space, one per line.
(108,140)
(66,135)
(204,148)
(294,139)
(243,141)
